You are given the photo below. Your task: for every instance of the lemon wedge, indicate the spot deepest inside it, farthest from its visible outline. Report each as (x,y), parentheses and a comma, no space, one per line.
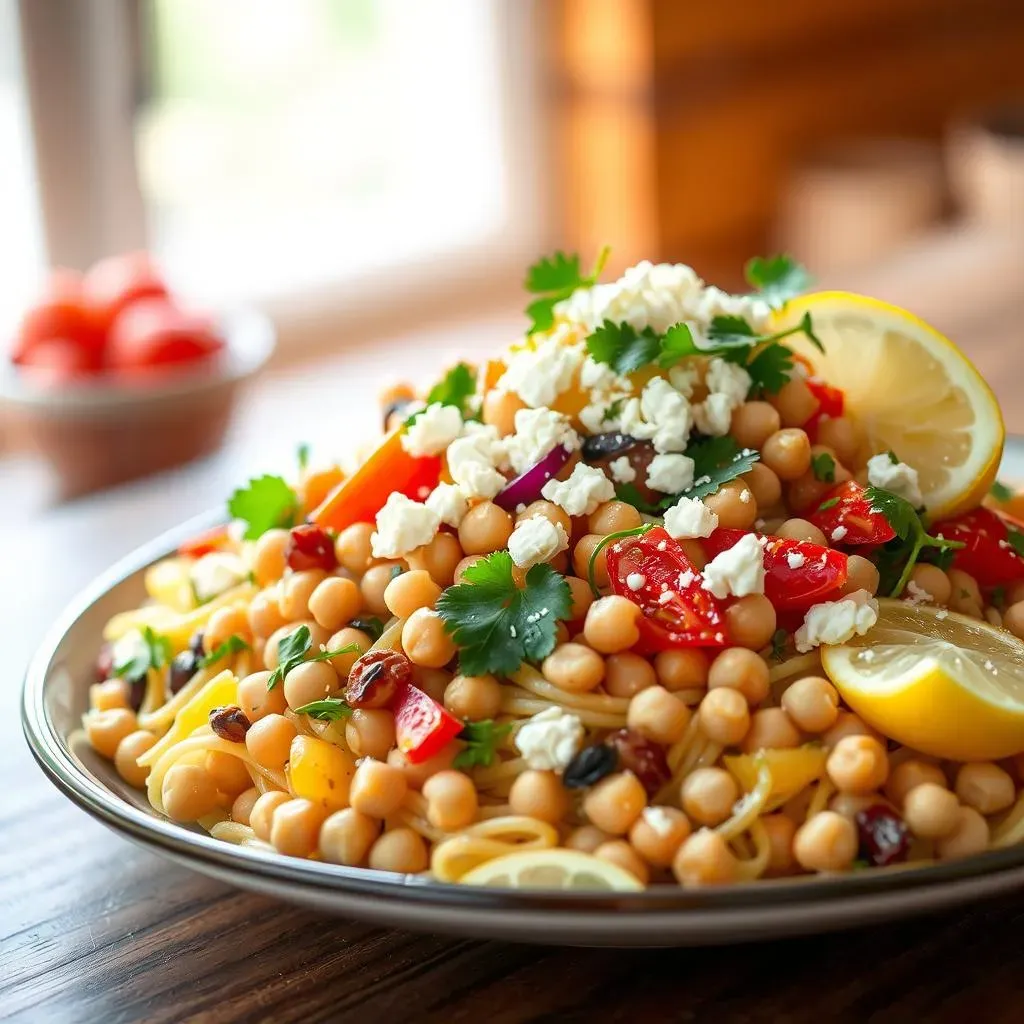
(552,869)
(939,682)
(911,390)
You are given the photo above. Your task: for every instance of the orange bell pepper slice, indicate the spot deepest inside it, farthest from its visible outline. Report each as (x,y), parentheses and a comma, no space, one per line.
(202,544)
(390,468)
(316,486)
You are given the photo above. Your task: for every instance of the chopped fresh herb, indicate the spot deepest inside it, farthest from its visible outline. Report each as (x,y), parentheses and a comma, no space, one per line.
(827,504)
(302,456)
(456,388)
(734,332)
(555,278)
(329,709)
(370,625)
(292,650)
(233,645)
(265,503)
(777,279)
(1001,492)
(396,571)
(637,531)
(823,466)
(911,534)
(623,347)
(630,494)
(677,344)
(154,652)
(893,457)
(716,461)
(614,411)
(1016,540)
(997,598)
(482,740)
(496,625)
(780,638)
(770,370)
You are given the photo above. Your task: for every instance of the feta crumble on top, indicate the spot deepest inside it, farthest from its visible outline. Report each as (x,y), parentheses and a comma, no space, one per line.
(670,474)
(448,501)
(738,571)
(835,622)
(549,740)
(475,461)
(539,375)
(622,470)
(538,431)
(402,526)
(586,488)
(690,518)
(897,477)
(433,430)
(536,540)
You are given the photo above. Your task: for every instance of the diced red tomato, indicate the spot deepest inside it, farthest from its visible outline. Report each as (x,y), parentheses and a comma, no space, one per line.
(151,333)
(987,554)
(422,726)
(113,284)
(652,571)
(797,574)
(830,406)
(205,542)
(59,360)
(847,508)
(59,313)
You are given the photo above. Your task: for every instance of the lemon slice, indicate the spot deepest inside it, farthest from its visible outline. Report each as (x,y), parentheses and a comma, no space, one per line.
(552,869)
(939,682)
(912,390)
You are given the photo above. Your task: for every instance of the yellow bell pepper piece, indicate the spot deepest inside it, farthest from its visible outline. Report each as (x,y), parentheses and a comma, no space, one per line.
(320,771)
(791,770)
(168,583)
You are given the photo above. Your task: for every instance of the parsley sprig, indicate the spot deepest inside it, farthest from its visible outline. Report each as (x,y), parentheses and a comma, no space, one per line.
(292,650)
(1001,492)
(496,625)
(554,279)
(456,388)
(482,740)
(233,645)
(328,709)
(823,466)
(776,279)
(264,503)
(153,652)
(912,538)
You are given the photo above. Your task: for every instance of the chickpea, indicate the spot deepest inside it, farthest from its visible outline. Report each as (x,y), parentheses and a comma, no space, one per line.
(807,492)
(378,789)
(847,724)
(787,453)
(1013,619)
(586,838)
(401,850)
(540,795)
(795,402)
(225,622)
(334,602)
(753,423)
(627,674)
(613,516)
(256,701)
(261,814)
(432,681)
(724,716)
(499,410)
(370,732)
(707,795)
(426,641)
(694,551)
(228,772)
(269,556)
(734,504)
(348,637)
(264,613)
(969,836)
(780,830)
(574,667)
(583,552)
(373,584)
(296,590)
(801,529)
(740,669)
(771,729)
(764,485)
(451,800)
(812,703)
(310,681)
(827,842)
(615,803)
(109,695)
(657,834)
(295,828)
(346,837)
(931,811)
(241,807)
(269,740)
(659,715)
(685,669)
(106,729)
(129,750)
(933,581)
(439,558)
(582,597)
(986,787)
(849,805)
(473,697)
(1015,592)
(188,793)
(411,591)
(611,624)
(353,548)
(705,859)
(858,764)
(839,434)
(485,528)
(621,854)
(463,565)
(910,774)
(965,595)
(861,574)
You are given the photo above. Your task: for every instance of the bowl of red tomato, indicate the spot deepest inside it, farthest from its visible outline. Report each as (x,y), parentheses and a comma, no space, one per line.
(112,376)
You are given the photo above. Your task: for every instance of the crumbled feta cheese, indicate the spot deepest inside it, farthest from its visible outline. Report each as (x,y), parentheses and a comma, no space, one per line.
(690,517)
(668,412)
(713,416)
(450,504)
(670,474)
(539,375)
(795,560)
(635,581)
(586,488)
(631,421)
(535,540)
(474,460)
(659,820)
(402,526)
(683,378)
(216,572)
(835,622)
(622,470)
(601,377)
(129,647)
(941,614)
(745,496)
(538,431)
(839,533)
(739,570)
(897,477)
(433,430)
(549,740)
(729,379)
(917,594)
(714,302)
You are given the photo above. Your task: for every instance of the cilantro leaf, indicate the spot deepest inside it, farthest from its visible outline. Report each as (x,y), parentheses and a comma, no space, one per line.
(482,740)
(153,652)
(455,389)
(717,460)
(1001,492)
(827,504)
(265,503)
(777,279)
(555,278)
(614,411)
(780,638)
(770,370)
(731,331)
(233,645)
(370,625)
(302,456)
(292,650)
(623,347)
(329,709)
(677,344)
(823,466)
(1016,540)
(496,625)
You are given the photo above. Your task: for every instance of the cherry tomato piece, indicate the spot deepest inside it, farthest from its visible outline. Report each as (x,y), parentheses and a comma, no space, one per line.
(59,313)
(203,543)
(830,406)
(422,726)
(151,333)
(846,508)
(60,360)
(310,547)
(111,285)
(653,572)
(988,554)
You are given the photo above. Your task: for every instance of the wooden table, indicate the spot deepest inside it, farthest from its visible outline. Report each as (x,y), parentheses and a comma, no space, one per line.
(94,930)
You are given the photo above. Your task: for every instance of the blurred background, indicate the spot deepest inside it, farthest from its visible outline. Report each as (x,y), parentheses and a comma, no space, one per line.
(375,175)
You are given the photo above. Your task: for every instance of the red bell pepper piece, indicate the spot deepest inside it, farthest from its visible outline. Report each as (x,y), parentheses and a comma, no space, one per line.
(846,508)
(830,405)
(422,726)
(988,553)
(652,571)
(202,544)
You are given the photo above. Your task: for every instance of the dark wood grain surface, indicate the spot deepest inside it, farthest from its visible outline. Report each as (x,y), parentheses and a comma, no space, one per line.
(93,929)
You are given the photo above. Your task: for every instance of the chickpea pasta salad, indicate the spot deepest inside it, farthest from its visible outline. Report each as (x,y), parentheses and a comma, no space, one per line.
(684,587)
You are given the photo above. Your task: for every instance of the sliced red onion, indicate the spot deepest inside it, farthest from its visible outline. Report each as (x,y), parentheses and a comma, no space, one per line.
(526,487)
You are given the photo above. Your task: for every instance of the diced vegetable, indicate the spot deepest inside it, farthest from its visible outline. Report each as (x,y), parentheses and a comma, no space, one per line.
(847,508)
(791,770)
(203,543)
(992,551)
(830,406)
(320,771)
(422,726)
(526,487)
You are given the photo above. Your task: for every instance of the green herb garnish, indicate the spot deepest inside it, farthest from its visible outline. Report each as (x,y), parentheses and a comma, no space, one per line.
(265,503)
(302,456)
(637,531)
(370,625)
(329,709)
(1016,540)
(456,388)
(1001,492)
(292,650)
(233,645)
(555,278)
(776,279)
(827,504)
(823,466)
(155,652)
(482,740)
(623,347)
(780,639)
